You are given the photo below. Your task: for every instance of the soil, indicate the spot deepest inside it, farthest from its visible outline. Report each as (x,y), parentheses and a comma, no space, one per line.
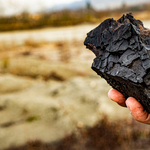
(49,100)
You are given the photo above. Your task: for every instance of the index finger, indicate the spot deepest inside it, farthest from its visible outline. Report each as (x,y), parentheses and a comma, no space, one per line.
(118,97)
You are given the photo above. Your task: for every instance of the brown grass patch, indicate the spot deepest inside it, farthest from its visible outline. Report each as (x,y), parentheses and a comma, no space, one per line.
(106,135)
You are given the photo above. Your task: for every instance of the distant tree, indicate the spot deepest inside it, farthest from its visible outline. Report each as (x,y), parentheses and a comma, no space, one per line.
(88,5)
(124,5)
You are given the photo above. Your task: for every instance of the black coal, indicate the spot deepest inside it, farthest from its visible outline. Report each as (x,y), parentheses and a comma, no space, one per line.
(122,50)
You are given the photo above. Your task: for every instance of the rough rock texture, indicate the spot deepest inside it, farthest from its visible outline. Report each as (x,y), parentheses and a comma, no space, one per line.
(122,50)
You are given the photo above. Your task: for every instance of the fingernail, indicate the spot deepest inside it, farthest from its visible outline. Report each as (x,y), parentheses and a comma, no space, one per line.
(109,93)
(128,106)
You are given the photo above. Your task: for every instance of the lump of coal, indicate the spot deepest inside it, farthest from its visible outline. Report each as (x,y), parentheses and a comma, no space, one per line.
(122,50)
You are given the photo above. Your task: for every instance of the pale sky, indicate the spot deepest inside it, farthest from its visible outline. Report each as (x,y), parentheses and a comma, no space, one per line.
(9,7)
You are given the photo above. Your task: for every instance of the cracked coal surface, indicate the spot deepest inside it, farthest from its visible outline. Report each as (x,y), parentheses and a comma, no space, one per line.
(122,50)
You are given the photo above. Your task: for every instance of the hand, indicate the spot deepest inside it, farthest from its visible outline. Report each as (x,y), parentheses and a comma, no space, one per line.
(136,109)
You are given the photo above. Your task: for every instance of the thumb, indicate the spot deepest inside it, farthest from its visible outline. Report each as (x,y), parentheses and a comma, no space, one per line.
(137,110)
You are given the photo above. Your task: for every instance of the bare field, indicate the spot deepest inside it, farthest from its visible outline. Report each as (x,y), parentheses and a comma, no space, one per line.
(47,88)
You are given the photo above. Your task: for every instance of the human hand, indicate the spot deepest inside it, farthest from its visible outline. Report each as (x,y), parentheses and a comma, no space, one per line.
(136,109)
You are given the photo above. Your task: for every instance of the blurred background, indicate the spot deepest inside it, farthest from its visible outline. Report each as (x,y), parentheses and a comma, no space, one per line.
(50,99)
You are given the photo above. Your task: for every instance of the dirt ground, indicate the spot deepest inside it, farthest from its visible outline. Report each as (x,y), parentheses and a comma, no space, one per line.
(49,94)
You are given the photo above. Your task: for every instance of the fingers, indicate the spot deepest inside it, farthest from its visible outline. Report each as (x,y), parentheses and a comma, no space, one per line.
(117,97)
(137,111)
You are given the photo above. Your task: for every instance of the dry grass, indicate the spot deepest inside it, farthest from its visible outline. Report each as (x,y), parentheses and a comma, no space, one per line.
(67,17)
(5,46)
(105,135)
(64,51)
(34,43)
(31,42)
(31,59)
